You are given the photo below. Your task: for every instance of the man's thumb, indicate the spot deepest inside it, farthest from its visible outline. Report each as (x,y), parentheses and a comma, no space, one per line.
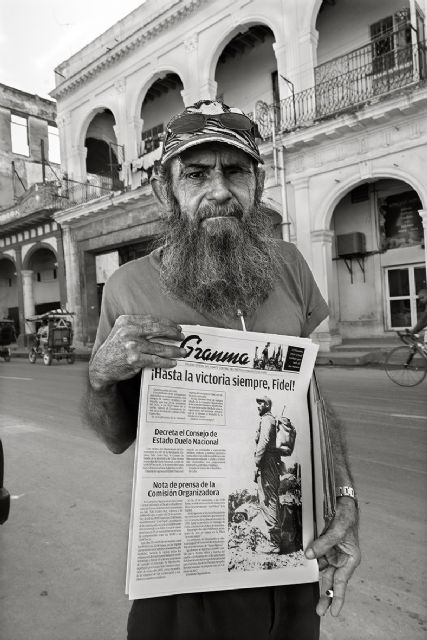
(321,546)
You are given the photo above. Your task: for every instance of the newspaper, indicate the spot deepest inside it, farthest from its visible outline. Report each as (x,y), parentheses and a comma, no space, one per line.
(223,488)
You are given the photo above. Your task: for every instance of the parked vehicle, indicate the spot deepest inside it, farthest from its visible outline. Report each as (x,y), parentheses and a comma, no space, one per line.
(7,336)
(53,338)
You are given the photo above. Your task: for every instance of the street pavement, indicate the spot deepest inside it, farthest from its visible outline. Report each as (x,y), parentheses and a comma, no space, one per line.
(63,550)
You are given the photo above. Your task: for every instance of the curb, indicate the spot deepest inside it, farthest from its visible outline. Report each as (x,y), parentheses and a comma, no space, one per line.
(324,359)
(82,357)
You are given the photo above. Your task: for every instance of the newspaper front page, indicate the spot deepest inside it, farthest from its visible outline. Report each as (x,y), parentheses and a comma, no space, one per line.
(222,493)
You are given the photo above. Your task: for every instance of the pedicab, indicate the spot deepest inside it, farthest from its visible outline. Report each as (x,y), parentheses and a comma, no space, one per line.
(53,338)
(7,336)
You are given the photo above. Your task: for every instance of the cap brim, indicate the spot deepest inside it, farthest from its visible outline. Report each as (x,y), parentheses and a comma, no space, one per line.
(205,138)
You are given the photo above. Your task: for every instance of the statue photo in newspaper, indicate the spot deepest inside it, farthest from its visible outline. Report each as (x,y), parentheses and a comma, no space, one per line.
(265,526)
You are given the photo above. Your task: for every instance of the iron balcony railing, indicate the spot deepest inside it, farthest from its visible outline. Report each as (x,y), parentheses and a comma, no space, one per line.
(361,76)
(71,192)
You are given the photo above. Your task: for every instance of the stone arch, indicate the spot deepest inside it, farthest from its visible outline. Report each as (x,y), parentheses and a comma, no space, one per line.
(83,125)
(26,264)
(209,69)
(139,97)
(310,16)
(324,217)
(6,256)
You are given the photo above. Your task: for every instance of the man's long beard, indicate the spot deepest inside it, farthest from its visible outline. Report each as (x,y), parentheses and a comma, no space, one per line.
(221,265)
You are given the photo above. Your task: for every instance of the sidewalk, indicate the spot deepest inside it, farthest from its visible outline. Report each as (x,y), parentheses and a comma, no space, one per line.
(352,353)
(359,352)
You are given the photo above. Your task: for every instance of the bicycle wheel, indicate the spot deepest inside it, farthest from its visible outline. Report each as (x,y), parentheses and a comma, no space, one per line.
(405,366)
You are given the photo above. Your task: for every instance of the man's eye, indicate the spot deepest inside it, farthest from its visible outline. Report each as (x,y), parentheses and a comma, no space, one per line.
(196,175)
(236,171)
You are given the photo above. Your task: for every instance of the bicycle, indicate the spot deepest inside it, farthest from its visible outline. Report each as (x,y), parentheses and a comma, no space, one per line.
(407,365)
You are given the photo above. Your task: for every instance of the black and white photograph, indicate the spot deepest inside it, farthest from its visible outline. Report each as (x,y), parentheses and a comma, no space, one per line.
(265,526)
(213,319)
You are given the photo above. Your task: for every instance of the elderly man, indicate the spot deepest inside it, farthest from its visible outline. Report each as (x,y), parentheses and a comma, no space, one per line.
(218,262)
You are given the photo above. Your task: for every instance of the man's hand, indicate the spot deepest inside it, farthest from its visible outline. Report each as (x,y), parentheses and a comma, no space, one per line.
(338,553)
(132,345)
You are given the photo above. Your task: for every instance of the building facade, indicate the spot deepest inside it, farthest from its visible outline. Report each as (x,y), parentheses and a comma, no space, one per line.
(339,92)
(32,271)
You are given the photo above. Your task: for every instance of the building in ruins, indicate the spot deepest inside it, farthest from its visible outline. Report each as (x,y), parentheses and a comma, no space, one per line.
(338,89)
(32,273)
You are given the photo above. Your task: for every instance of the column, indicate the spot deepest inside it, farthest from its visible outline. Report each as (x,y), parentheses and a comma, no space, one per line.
(61,270)
(77,164)
(134,128)
(28,298)
(72,274)
(65,141)
(21,310)
(326,334)
(302,218)
(307,58)
(124,150)
(208,90)
(89,295)
(423,214)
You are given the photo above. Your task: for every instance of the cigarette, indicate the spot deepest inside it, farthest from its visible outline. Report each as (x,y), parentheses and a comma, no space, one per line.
(330,593)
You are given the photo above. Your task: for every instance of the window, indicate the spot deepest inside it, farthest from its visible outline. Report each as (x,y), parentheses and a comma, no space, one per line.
(402,284)
(391,42)
(47,275)
(152,138)
(19,135)
(53,143)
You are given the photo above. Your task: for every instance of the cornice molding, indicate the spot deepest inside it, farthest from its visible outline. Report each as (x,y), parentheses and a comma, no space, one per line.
(175,13)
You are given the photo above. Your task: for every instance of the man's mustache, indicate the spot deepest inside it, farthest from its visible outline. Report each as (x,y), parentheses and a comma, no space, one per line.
(220,211)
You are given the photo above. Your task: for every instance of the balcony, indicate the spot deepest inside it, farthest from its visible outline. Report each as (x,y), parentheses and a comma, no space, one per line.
(71,193)
(346,84)
(37,204)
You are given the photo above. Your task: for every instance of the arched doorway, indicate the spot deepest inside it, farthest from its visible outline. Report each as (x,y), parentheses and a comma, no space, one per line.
(246,72)
(9,291)
(43,263)
(378,258)
(104,156)
(162,101)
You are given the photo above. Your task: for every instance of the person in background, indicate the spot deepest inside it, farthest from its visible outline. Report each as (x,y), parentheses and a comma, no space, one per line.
(422,320)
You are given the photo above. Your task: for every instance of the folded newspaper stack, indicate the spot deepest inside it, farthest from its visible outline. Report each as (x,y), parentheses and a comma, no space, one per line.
(232,474)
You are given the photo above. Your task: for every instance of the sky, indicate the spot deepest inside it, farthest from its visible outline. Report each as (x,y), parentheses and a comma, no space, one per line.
(37,35)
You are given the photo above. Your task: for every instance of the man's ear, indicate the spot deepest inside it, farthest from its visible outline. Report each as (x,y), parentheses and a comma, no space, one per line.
(159,191)
(260,171)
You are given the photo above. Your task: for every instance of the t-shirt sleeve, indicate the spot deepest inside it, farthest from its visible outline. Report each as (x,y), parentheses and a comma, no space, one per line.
(316,308)
(108,316)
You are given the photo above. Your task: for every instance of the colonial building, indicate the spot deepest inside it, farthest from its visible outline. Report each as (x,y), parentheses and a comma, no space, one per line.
(32,274)
(338,90)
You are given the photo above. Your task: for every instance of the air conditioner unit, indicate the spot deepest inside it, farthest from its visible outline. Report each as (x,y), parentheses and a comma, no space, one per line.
(351,243)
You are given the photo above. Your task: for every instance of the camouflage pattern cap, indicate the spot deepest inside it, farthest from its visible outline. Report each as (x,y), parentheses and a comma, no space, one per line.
(210,121)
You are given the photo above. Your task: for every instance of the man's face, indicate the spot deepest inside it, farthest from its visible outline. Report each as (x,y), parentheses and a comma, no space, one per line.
(219,254)
(214,185)
(262,407)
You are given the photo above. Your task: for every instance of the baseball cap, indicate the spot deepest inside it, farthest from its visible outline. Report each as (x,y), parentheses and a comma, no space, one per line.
(210,121)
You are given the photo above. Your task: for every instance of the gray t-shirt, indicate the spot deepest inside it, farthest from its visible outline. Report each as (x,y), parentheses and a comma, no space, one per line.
(294,307)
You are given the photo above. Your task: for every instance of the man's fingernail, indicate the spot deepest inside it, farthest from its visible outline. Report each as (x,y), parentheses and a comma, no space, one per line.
(309,553)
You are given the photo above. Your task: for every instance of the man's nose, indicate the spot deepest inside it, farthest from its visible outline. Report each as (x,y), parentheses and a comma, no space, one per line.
(218,188)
